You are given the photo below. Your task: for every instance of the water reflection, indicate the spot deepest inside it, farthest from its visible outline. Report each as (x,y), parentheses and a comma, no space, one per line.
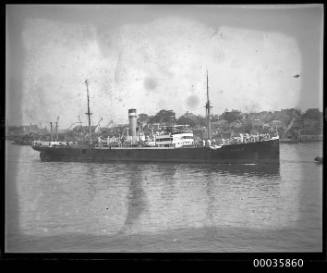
(211,200)
(167,179)
(246,202)
(136,199)
(253,170)
(53,198)
(91,171)
(143,197)
(171,196)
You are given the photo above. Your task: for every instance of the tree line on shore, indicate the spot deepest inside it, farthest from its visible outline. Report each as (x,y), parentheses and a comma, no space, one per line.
(290,123)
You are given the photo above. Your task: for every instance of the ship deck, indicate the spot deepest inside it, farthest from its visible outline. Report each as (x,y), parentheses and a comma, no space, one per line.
(145,148)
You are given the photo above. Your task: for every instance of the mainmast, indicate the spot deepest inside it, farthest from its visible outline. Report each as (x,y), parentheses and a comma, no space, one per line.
(50,131)
(88,112)
(208,106)
(57,128)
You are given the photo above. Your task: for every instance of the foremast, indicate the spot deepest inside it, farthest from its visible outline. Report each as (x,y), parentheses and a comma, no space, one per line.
(208,106)
(88,112)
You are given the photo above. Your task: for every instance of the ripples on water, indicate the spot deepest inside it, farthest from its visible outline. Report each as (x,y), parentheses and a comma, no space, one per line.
(54,206)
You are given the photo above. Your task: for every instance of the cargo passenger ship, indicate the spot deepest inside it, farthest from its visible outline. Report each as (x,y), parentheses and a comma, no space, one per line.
(176,145)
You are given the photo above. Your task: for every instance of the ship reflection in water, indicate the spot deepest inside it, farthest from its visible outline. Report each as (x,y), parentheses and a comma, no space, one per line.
(166,196)
(123,199)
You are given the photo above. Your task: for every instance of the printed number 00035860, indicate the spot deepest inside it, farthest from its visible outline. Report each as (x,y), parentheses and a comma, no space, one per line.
(278,263)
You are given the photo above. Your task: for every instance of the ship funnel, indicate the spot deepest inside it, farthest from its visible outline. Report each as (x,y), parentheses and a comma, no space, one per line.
(132,122)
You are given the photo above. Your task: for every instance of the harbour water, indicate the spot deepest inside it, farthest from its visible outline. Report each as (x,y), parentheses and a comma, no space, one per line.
(163,207)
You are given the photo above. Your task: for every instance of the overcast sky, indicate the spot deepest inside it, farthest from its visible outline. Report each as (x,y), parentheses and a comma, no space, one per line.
(155,57)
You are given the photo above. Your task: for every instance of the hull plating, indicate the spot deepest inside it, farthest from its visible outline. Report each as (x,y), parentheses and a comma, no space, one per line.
(258,152)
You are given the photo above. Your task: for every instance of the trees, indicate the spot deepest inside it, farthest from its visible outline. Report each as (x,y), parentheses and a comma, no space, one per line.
(247,126)
(191,119)
(143,118)
(186,120)
(312,113)
(312,121)
(164,116)
(231,116)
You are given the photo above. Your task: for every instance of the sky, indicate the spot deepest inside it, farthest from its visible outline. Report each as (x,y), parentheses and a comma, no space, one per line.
(153,57)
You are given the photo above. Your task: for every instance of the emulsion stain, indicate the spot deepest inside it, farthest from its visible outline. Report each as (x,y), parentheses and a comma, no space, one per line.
(150,83)
(192,101)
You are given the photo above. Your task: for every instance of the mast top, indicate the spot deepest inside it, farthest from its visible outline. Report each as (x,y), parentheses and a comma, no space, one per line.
(208,106)
(88,98)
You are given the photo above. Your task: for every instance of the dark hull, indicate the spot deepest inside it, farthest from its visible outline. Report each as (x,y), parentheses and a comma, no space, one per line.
(258,152)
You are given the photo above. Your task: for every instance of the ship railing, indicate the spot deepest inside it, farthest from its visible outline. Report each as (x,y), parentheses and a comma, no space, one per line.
(40,143)
(248,139)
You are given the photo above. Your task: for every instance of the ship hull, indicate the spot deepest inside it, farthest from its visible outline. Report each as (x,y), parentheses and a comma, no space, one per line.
(257,152)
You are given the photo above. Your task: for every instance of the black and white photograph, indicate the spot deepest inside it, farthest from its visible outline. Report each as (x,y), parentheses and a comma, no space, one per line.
(157,128)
